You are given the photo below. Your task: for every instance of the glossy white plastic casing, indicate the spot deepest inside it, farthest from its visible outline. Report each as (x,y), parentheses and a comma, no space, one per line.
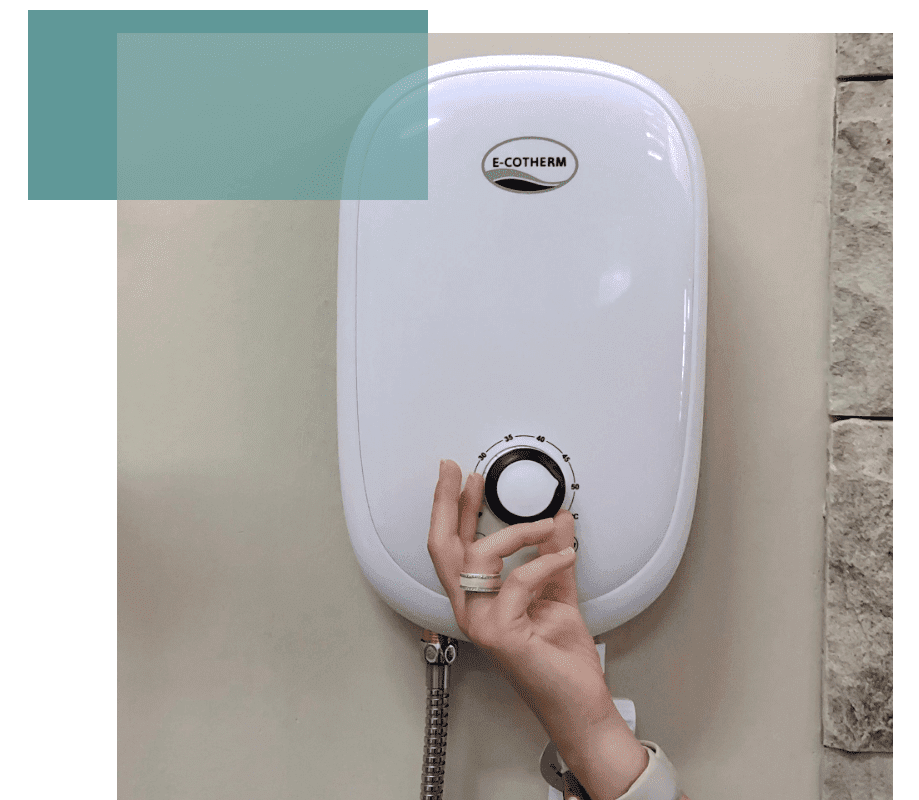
(572,320)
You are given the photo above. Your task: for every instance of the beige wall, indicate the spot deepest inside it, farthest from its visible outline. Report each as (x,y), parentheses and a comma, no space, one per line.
(256,662)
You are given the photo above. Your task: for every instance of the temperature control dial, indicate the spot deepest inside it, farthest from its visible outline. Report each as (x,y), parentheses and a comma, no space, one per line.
(524,485)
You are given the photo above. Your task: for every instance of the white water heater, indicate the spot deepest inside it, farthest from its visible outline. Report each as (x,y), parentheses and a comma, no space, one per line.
(540,319)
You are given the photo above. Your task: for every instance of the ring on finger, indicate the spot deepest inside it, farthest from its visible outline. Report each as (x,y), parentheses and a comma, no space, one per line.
(480,582)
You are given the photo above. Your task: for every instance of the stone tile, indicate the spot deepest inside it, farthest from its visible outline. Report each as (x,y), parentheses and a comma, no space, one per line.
(858,646)
(864,54)
(861,252)
(856,776)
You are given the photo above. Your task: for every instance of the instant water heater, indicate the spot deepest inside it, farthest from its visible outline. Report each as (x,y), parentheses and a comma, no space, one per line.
(539,319)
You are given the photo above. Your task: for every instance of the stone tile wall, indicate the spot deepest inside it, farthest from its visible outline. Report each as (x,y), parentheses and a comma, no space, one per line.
(858,646)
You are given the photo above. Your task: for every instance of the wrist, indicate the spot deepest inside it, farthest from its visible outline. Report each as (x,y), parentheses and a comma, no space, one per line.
(606,759)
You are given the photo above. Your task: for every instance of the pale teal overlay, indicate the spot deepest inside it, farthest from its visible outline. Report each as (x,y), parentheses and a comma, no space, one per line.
(73,85)
(268,116)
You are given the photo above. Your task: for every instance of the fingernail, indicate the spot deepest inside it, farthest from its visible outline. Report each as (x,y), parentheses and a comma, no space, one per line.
(568,551)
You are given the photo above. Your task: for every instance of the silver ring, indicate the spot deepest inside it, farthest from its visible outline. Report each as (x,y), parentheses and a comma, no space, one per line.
(480,582)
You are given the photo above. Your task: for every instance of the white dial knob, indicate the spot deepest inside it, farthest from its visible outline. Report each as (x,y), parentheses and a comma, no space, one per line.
(526,488)
(524,485)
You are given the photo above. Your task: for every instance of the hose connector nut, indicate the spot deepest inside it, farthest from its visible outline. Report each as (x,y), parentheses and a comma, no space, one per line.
(438,649)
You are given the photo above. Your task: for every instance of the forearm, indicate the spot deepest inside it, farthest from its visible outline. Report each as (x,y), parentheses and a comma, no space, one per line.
(607,759)
(588,730)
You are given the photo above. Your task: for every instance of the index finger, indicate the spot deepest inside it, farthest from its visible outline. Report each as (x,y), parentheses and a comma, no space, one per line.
(445,510)
(444,544)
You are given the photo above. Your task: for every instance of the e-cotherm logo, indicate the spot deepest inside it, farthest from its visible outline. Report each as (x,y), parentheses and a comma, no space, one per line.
(529,164)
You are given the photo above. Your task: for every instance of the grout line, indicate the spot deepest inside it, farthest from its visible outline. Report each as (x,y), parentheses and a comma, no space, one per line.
(838,417)
(884,76)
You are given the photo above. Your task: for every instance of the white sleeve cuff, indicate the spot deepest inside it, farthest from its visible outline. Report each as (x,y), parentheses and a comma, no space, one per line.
(659,781)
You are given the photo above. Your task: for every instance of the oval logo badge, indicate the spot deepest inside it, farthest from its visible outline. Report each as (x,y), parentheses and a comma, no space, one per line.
(529,164)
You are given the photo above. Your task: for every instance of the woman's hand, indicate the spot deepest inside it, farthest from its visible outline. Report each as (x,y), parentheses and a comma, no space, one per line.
(534,631)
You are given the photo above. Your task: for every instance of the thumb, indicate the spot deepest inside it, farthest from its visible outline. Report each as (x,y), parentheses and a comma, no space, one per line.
(527,581)
(562,587)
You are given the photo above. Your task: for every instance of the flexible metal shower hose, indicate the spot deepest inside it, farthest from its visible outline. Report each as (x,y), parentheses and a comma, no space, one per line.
(439,652)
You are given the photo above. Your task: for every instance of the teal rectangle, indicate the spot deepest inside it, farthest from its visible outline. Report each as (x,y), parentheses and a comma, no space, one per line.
(266,116)
(73,82)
